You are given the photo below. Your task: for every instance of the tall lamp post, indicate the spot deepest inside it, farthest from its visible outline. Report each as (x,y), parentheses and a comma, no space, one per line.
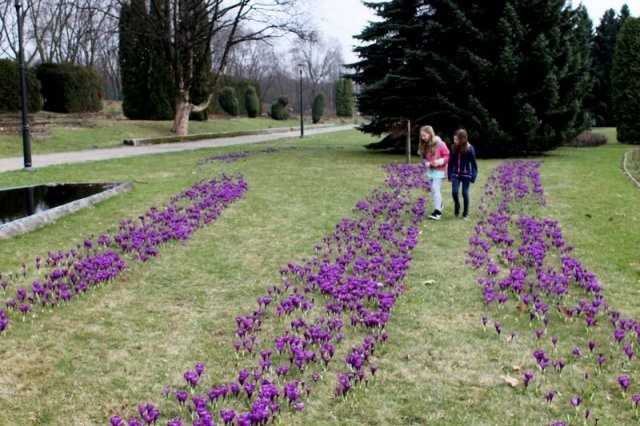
(301,106)
(26,143)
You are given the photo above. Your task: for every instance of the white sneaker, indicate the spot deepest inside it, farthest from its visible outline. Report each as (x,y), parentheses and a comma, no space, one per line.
(436,215)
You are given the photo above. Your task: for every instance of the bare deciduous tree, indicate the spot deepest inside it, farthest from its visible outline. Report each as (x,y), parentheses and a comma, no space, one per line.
(257,61)
(230,24)
(82,32)
(322,63)
(321,60)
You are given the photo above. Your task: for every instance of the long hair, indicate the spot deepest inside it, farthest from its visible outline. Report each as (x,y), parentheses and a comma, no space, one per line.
(429,146)
(463,140)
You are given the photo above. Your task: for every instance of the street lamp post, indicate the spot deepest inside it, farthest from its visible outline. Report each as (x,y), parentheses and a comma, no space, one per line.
(26,143)
(301,106)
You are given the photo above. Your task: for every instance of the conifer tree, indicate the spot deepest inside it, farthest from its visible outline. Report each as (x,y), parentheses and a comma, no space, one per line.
(133,56)
(148,82)
(625,75)
(201,88)
(161,88)
(604,41)
(251,102)
(344,98)
(317,108)
(513,73)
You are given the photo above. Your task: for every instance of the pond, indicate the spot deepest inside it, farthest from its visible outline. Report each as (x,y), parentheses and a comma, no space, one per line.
(23,209)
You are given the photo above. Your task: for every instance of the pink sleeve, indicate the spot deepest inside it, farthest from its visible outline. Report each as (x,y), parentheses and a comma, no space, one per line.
(444,152)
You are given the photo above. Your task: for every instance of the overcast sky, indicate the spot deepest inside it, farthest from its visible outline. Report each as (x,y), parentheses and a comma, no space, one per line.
(341,19)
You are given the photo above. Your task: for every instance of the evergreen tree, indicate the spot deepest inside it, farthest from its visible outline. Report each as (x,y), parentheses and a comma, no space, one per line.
(133,56)
(161,80)
(201,87)
(317,108)
(148,83)
(251,102)
(514,73)
(279,108)
(228,101)
(344,98)
(625,75)
(604,41)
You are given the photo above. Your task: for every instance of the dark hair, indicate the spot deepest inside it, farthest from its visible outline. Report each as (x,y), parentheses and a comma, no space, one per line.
(463,140)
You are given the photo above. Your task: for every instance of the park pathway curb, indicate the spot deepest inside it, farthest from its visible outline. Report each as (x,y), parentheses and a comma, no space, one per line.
(125,151)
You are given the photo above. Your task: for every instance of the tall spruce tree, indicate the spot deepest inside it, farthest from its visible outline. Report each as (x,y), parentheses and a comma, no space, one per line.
(513,73)
(133,56)
(625,75)
(604,42)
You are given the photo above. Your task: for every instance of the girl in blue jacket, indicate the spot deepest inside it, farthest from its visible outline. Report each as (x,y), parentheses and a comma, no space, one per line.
(462,169)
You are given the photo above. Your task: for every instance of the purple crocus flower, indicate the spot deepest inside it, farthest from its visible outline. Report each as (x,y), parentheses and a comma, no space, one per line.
(181,396)
(192,377)
(576,401)
(528,375)
(227,416)
(624,381)
(628,350)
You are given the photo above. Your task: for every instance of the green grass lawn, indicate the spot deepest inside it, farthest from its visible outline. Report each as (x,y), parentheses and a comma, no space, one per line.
(120,344)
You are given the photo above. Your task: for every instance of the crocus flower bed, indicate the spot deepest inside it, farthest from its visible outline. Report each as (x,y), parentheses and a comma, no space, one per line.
(61,276)
(330,310)
(527,267)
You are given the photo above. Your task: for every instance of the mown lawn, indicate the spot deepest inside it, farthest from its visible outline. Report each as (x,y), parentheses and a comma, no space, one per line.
(120,344)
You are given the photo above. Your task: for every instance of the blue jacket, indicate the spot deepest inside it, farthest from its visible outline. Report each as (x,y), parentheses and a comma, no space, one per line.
(463,167)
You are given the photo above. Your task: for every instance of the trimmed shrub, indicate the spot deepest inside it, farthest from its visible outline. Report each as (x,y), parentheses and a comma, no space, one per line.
(279,108)
(251,102)
(10,96)
(70,88)
(228,101)
(344,98)
(586,139)
(317,109)
(240,85)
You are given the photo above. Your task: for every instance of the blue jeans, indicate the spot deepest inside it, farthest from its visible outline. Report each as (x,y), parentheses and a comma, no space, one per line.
(455,188)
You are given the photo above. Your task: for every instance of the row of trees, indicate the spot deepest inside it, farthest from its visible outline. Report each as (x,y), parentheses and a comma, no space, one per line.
(158,44)
(517,74)
(602,50)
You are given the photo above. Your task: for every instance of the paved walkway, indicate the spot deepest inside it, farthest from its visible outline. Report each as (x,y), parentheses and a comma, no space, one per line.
(43,160)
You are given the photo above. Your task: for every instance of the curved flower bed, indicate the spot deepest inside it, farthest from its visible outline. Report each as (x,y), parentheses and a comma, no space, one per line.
(62,276)
(335,305)
(525,263)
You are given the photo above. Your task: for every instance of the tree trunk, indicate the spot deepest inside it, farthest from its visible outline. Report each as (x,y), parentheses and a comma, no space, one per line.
(181,119)
(184,108)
